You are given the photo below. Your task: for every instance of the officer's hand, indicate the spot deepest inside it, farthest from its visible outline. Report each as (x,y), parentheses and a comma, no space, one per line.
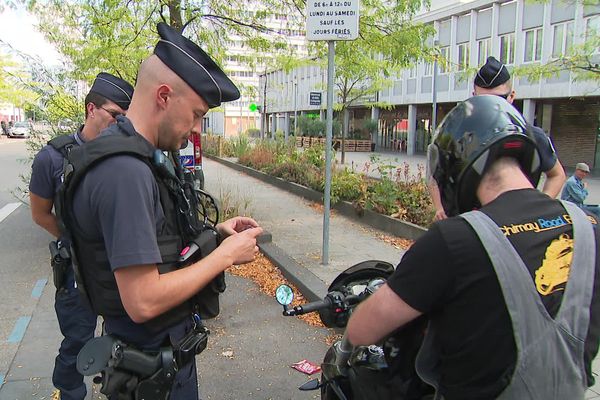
(241,247)
(235,225)
(440,215)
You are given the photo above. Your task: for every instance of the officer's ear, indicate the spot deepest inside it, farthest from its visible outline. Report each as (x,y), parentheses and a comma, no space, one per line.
(90,109)
(164,95)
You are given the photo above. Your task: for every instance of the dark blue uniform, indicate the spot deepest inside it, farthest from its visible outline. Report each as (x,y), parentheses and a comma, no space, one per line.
(118,202)
(545,148)
(77,322)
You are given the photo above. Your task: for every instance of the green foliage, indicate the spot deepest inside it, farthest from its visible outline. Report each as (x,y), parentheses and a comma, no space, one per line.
(253,132)
(115,36)
(240,145)
(345,185)
(279,135)
(371,126)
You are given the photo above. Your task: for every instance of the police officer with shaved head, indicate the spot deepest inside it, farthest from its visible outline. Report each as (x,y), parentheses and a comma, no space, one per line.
(108,98)
(127,212)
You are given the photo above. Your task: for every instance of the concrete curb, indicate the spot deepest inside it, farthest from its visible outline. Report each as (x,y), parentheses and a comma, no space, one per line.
(375,220)
(311,287)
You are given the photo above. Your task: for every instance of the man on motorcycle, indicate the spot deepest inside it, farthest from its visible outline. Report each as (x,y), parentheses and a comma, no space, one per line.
(509,289)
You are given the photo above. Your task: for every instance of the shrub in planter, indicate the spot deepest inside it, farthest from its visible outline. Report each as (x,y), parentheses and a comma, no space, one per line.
(346,185)
(296,172)
(258,158)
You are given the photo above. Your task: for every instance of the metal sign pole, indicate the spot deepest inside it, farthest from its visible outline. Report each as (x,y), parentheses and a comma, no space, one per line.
(328,147)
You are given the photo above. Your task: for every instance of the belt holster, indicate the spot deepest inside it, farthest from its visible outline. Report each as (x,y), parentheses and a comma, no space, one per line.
(60,259)
(192,344)
(131,374)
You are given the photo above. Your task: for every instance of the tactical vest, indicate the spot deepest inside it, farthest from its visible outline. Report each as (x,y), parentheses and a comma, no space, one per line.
(63,144)
(93,274)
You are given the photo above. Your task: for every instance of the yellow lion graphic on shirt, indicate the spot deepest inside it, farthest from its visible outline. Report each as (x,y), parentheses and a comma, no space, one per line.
(555,266)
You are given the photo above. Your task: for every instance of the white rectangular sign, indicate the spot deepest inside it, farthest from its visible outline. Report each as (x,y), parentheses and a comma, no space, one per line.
(332,19)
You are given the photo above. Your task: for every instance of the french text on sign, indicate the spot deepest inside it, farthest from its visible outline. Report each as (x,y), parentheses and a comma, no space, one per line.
(332,20)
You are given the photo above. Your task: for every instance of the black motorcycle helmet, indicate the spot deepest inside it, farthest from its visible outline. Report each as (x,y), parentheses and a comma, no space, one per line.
(471,137)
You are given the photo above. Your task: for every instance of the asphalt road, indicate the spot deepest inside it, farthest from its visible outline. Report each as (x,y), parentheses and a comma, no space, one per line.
(250,349)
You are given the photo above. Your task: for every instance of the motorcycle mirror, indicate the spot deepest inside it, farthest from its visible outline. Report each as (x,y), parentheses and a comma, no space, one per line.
(284,295)
(313,384)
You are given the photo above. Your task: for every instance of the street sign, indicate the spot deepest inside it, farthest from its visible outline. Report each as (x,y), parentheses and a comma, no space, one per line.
(332,19)
(315,98)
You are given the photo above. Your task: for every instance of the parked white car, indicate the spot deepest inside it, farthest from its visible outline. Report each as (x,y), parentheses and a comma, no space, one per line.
(20,130)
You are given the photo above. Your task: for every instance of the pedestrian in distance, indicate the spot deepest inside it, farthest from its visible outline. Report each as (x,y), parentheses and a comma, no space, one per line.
(125,199)
(4,127)
(510,290)
(493,78)
(108,97)
(576,191)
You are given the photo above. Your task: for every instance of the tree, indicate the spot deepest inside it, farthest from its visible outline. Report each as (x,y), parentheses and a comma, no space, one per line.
(388,42)
(114,36)
(14,83)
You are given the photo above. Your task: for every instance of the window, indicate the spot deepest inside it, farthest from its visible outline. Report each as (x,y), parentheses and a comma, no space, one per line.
(484,49)
(592,31)
(563,39)
(507,48)
(444,61)
(533,45)
(463,56)
(428,71)
(412,72)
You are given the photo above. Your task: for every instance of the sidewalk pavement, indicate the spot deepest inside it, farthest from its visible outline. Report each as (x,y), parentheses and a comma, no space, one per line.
(296,225)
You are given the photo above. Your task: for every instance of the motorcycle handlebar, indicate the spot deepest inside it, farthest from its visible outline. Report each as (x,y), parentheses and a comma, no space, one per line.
(330,301)
(315,306)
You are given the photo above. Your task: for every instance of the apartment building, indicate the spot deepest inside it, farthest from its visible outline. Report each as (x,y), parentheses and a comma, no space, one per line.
(517,32)
(244,66)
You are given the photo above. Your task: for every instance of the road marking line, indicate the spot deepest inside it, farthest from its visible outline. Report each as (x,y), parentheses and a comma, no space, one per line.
(38,288)
(7,209)
(19,331)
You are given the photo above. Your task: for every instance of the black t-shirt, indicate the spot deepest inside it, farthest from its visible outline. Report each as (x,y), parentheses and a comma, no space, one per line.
(448,275)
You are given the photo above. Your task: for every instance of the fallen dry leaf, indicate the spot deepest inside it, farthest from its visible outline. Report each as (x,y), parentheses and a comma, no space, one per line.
(268,277)
(320,208)
(397,242)
(331,339)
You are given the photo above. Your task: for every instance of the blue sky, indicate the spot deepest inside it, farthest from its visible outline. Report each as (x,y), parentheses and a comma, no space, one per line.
(18,28)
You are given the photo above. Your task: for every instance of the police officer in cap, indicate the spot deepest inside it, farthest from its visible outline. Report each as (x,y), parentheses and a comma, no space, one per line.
(109,97)
(128,209)
(493,78)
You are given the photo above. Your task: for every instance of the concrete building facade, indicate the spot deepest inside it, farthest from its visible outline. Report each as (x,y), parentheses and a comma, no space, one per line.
(236,117)
(517,32)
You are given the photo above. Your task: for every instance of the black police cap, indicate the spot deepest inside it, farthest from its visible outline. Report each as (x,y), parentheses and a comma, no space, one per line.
(492,74)
(194,66)
(114,89)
